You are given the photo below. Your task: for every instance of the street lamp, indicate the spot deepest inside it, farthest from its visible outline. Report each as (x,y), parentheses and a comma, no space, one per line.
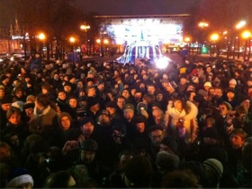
(188,41)
(214,38)
(240,24)
(202,25)
(42,38)
(85,28)
(72,41)
(246,35)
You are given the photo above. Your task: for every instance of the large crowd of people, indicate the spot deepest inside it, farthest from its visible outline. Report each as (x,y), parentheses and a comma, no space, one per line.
(110,125)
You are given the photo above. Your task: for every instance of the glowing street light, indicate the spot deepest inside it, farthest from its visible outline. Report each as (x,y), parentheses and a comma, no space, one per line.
(72,41)
(246,34)
(84,27)
(203,24)
(240,24)
(187,39)
(41,36)
(214,37)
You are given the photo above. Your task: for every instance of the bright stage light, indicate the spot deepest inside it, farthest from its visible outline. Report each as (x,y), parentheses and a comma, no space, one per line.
(162,63)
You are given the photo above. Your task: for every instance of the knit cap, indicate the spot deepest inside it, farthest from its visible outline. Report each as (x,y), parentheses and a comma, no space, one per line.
(18,177)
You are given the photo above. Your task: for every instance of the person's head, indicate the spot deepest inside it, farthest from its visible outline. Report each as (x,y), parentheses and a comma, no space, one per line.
(65,121)
(148,98)
(179,104)
(158,115)
(207,85)
(128,111)
(169,144)
(218,92)
(156,135)
(67,88)
(73,102)
(232,84)
(6,103)
(5,152)
(126,93)
(87,126)
(151,89)
(60,179)
(237,138)
(46,88)
(121,102)
(2,92)
(118,132)
(166,162)
(93,104)
(88,149)
(211,136)
(230,94)
(101,86)
(225,107)
(62,95)
(20,178)
(111,106)
(91,91)
(42,101)
(138,172)
(141,124)
(104,117)
(13,115)
(180,179)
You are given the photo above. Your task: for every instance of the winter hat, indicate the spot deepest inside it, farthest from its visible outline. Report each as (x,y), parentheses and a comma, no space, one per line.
(86,120)
(154,128)
(119,127)
(111,104)
(139,171)
(18,177)
(211,132)
(89,145)
(233,81)
(128,106)
(91,101)
(7,100)
(213,171)
(140,119)
(104,112)
(18,104)
(207,84)
(171,143)
(228,105)
(167,161)
(3,77)
(2,87)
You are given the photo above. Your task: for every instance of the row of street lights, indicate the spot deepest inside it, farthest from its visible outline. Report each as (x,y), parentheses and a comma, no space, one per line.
(215,38)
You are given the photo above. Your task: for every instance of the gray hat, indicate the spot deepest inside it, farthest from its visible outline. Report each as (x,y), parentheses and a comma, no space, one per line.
(213,171)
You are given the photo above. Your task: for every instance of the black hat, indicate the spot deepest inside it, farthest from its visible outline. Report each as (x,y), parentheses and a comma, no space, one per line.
(154,128)
(7,100)
(105,112)
(91,101)
(111,104)
(3,77)
(171,143)
(89,145)
(140,119)
(120,127)
(86,120)
(211,132)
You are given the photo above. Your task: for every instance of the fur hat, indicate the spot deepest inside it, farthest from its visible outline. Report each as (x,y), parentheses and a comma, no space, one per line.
(120,127)
(18,177)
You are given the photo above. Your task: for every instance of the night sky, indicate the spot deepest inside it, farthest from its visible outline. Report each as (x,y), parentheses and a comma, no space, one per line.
(137,7)
(114,7)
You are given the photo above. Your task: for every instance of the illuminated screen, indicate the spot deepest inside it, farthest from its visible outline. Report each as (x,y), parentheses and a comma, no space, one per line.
(155,31)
